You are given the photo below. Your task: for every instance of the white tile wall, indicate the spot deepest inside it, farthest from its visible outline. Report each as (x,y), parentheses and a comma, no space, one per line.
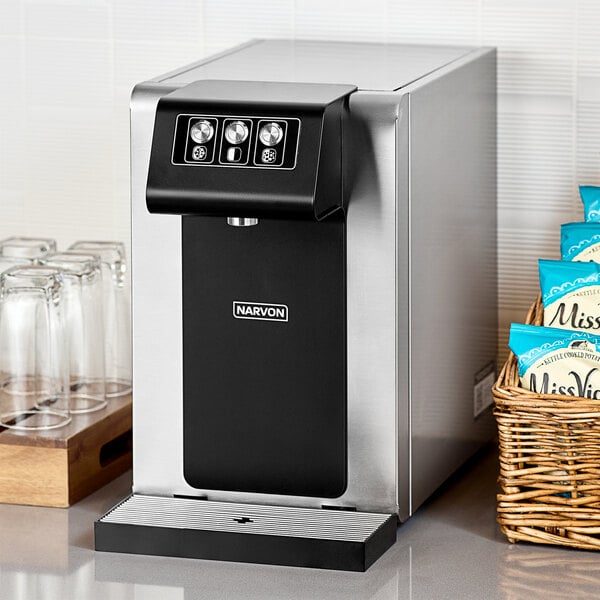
(67,67)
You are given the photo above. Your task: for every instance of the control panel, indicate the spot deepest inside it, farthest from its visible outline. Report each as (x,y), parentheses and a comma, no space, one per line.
(236,141)
(255,149)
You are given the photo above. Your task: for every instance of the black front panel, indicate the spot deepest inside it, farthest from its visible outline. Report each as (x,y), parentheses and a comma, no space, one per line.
(264,356)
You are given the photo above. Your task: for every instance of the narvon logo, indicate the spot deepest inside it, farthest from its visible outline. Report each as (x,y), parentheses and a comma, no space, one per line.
(260,311)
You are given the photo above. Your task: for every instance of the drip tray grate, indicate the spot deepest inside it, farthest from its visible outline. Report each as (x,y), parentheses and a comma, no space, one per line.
(281,535)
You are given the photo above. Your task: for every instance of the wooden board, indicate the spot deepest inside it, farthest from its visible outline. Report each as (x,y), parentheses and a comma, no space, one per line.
(61,466)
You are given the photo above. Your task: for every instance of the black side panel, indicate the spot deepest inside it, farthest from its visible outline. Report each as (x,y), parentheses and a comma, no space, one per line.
(265,401)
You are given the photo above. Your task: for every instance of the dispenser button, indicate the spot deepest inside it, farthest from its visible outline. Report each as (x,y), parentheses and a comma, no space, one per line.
(202,131)
(270,134)
(199,152)
(234,154)
(269,155)
(236,132)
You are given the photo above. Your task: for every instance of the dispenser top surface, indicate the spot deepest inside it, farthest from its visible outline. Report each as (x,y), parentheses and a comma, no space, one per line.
(384,67)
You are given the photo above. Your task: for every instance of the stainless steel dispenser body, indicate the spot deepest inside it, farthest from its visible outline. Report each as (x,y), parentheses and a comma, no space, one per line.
(419,151)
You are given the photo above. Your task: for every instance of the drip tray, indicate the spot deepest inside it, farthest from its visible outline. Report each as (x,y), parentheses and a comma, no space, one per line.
(277,535)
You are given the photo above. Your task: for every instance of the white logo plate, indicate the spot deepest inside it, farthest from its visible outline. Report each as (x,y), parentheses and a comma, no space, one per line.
(260,311)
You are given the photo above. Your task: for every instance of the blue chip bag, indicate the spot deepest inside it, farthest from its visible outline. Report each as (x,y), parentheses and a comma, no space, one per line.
(590,196)
(570,294)
(557,361)
(580,241)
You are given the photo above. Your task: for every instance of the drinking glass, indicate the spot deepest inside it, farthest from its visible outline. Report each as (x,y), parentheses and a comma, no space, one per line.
(117,319)
(34,393)
(23,247)
(84,328)
(8,262)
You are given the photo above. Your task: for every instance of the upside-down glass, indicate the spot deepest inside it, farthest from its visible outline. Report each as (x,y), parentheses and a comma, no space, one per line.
(84,328)
(117,319)
(9,262)
(23,247)
(34,390)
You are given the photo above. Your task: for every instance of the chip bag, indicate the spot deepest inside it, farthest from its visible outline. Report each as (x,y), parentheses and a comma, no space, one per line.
(570,294)
(557,361)
(580,241)
(590,196)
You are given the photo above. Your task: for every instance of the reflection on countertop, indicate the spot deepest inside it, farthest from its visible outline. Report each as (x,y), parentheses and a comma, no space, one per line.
(451,549)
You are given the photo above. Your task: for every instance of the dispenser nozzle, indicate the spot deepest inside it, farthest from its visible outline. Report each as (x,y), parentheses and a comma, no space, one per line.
(242,221)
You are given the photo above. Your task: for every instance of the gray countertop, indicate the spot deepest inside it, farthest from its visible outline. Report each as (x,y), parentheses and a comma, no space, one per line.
(452,548)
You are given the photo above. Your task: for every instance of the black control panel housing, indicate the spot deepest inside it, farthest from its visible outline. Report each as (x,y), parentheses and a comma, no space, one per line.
(297,176)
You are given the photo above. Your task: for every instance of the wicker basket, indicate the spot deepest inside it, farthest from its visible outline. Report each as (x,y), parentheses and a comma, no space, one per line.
(549,462)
